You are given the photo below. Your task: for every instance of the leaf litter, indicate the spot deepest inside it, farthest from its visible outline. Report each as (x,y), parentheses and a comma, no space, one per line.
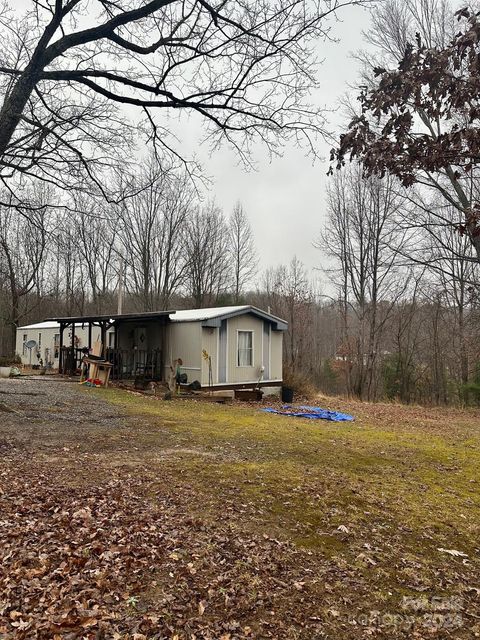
(91,550)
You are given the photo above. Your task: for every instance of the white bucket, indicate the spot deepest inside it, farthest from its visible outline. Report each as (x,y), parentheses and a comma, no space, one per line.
(5,372)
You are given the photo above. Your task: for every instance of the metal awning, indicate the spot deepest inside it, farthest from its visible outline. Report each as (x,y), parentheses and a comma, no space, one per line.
(113,318)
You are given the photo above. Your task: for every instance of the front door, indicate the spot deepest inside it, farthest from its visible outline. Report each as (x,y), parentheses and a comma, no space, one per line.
(140,338)
(139,350)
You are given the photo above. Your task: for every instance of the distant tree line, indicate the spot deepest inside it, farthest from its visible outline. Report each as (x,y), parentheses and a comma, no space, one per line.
(398,316)
(382,326)
(407,300)
(403,213)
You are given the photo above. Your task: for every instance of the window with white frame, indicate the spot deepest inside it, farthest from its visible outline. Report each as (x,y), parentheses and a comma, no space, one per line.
(25,338)
(245,349)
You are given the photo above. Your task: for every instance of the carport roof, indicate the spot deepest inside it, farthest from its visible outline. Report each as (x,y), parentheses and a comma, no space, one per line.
(48,324)
(147,315)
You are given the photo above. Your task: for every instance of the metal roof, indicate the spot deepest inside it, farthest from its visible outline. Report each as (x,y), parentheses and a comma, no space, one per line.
(209,317)
(195,315)
(212,316)
(49,324)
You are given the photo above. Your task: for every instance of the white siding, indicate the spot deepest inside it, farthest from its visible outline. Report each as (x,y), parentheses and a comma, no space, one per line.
(183,340)
(244,374)
(47,349)
(276,355)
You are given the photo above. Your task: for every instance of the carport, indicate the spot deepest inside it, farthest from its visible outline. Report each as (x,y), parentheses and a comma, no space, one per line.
(133,342)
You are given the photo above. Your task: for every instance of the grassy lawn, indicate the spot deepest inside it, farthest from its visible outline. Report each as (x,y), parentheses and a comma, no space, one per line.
(395,468)
(287,528)
(381,495)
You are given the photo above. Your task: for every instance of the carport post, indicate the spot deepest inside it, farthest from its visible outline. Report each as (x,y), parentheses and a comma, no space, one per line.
(74,360)
(60,355)
(103,327)
(89,336)
(116,334)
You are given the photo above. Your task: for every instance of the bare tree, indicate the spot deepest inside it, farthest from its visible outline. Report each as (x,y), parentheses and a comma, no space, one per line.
(209,274)
(245,67)
(152,226)
(242,249)
(96,246)
(409,126)
(23,243)
(289,296)
(395,23)
(70,275)
(401,367)
(362,236)
(454,280)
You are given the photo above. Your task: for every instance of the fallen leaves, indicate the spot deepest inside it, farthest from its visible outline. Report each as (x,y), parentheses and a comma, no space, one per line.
(453,552)
(105,561)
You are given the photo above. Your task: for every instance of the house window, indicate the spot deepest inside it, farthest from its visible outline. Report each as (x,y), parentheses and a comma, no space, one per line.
(39,342)
(245,349)
(56,345)
(25,338)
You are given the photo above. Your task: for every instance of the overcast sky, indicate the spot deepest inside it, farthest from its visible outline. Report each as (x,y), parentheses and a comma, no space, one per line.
(285,198)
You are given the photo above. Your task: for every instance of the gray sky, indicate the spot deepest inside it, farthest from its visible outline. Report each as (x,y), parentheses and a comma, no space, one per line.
(285,198)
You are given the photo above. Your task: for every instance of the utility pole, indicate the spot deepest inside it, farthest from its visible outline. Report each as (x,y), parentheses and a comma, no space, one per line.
(120,286)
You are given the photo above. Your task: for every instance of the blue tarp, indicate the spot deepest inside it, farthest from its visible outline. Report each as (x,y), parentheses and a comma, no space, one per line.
(314,413)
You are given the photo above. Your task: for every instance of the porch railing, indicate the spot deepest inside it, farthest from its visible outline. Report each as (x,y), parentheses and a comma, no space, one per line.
(127,363)
(133,363)
(70,360)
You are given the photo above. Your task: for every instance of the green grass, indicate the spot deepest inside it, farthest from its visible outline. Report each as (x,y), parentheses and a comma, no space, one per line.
(397,470)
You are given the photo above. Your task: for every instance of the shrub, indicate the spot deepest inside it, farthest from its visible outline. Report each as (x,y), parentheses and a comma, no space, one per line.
(471,392)
(331,378)
(301,383)
(10,361)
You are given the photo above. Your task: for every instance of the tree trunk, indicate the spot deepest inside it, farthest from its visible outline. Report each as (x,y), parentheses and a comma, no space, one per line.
(15,314)
(13,107)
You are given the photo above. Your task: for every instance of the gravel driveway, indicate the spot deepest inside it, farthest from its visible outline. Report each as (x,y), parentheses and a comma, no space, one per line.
(51,410)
